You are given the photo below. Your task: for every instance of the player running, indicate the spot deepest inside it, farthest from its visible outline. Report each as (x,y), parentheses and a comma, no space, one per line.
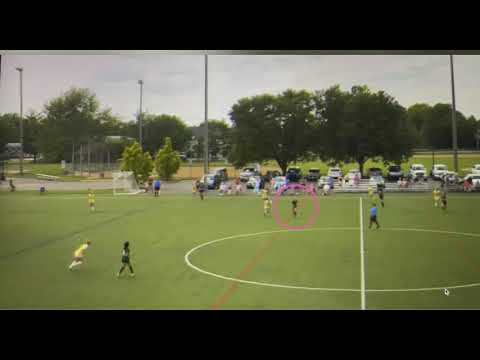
(267,203)
(444,199)
(380,194)
(371,194)
(373,216)
(201,189)
(157,186)
(78,255)
(295,207)
(91,200)
(436,196)
(126,260)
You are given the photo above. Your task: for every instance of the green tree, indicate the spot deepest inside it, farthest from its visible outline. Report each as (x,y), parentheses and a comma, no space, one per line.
(9,129)
(361,125)
(69,119)
(156,128)
(167,161)
(418,115)
(218,138)
(272,127)
(134,159)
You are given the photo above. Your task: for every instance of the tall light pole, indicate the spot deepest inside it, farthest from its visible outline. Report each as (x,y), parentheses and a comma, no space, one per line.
(454,125)
(206,115)
(20,70)
(140,139)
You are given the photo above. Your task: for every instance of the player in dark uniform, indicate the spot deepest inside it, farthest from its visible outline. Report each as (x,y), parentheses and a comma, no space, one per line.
(201,189)
(380,193)
(295,207)
(126,259)
(444,199)
(373,216)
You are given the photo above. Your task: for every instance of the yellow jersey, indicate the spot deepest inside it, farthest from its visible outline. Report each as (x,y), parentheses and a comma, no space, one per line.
(79,252)
(91,198)
(436,194)
(267,203)
(265,194)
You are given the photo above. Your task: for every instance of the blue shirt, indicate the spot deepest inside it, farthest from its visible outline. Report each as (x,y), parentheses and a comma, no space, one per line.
(373,211)
(157,183)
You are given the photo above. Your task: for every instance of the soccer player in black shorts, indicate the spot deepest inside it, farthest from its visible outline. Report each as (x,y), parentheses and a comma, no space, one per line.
(295,207)
(126,259)
(373,217)
(380,194)
(201,189)
(444,199)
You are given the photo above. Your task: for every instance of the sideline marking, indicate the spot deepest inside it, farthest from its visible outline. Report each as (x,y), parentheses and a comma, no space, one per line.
(362,259)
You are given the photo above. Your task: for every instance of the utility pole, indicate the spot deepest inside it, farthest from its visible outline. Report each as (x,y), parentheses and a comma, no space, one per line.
(140,82)
(454,125)
(20,70)
(206,116)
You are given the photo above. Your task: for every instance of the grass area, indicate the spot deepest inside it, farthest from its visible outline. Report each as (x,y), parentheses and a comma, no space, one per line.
(40,233)
(30,169)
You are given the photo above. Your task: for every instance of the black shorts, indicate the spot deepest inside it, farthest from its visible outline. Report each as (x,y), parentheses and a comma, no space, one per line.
(444,201)
(373,218)
(125,260)
(157,189)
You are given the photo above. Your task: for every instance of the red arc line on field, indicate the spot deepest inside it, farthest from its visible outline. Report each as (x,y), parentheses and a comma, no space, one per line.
(233,286)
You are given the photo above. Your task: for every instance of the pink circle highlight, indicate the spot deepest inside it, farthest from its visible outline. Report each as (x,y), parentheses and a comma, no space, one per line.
(276,211)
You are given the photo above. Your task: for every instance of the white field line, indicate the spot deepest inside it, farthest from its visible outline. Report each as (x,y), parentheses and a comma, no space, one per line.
(362,259)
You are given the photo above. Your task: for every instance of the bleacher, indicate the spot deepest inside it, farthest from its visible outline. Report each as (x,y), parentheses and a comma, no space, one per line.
(419,186)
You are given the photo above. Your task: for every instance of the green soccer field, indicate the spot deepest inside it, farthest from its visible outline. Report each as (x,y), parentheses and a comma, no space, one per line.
(255,264)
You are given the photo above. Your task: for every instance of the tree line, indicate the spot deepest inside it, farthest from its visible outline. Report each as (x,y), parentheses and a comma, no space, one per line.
(334,125)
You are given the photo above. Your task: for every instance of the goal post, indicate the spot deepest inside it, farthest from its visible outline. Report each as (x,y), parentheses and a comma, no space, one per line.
(124,183)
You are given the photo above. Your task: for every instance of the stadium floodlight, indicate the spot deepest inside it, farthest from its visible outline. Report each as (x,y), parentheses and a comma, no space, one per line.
(124,183)
(140,82)
(454,125)
(206,116)
(20,70)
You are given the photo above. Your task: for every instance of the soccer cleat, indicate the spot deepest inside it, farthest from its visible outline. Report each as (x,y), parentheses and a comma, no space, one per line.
(132,275)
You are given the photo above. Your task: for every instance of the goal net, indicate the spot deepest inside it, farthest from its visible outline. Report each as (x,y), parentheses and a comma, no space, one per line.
(124,183)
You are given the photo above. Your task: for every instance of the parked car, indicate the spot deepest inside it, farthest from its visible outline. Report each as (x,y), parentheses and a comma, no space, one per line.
(376,180)
(335,172)
(278,182)
(272,174)
(394,173)
(438,171)
(252,182)
(418,172)
(294,174)
(247,173)
(221,173)
(313,174)
(475,179)
(322,181)
(209,181)
(374,171)
(476,169)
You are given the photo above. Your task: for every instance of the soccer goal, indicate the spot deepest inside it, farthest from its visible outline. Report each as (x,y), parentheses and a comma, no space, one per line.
(124,183)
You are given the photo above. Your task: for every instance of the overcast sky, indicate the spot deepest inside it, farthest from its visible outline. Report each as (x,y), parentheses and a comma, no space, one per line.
(174,84)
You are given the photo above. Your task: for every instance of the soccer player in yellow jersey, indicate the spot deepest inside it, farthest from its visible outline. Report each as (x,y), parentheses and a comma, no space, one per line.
(436,196)
(78,255)
(267,203)
(91,200)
